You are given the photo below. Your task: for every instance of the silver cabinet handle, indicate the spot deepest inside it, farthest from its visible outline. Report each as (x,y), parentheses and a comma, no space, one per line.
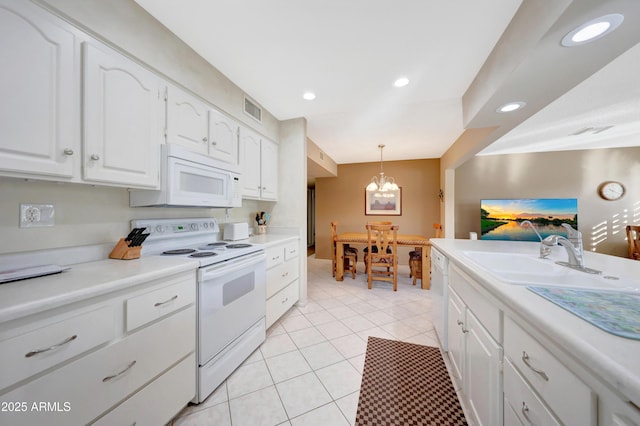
(95,157)
(68,151)
(166,301)
(459,322)
(50,348)
(285,300)
(205,139)
(285,274)
(525,413)
(275,258)
(464,330)
(525,359)
(213,142)
(113,376)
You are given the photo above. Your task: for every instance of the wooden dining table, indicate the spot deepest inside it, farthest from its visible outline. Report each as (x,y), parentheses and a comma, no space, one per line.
(403,240)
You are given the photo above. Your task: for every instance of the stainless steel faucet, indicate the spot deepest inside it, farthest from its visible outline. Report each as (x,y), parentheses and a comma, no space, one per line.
(573,246)
(545,250)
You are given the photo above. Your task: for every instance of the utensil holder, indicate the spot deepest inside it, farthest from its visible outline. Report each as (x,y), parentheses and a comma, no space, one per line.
(124,252)
(262,229)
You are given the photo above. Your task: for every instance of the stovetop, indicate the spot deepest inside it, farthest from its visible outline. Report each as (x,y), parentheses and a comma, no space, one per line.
(194,238)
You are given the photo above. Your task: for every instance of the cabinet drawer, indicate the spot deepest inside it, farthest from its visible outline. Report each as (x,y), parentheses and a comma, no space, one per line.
(291,250)
(93,384)
(281,302)
(567,396)
(155,304)
(168,394)
(522,401)
(52,344)
(275,256)
(280,276)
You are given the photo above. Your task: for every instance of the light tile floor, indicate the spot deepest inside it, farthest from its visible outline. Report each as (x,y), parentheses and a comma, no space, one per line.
(309,369)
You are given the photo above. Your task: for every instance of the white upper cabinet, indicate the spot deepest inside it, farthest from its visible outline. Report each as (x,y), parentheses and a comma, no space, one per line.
(122,128)
(187,121)
(250,162)
(259,162)
(223,137)
(39,83)
(269,170)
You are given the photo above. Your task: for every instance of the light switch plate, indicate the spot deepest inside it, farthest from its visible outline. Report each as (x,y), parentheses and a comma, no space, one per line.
(36,215)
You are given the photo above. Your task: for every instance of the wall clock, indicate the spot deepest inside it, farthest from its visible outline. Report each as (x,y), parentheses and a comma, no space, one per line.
(611,190)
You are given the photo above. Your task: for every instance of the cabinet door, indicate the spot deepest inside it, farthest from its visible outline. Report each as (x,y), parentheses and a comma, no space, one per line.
(39,85)
(269,170)
(483,386)
(250,163)
(223,137)
(187,121)
(122,129)
(456,334)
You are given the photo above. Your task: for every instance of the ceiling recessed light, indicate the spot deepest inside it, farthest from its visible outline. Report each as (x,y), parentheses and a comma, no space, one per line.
(401,82)
(592,30)
(309,96)
(511,106)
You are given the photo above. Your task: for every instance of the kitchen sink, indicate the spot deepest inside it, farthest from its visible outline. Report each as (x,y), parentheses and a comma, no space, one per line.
(524,269)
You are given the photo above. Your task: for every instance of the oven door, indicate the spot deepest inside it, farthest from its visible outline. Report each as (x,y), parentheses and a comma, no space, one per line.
(231,298)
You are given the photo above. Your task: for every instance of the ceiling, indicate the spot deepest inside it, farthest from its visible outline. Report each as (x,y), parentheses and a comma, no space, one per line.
(460,57)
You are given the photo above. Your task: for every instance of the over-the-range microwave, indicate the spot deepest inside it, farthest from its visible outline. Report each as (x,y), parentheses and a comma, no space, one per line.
(190,179)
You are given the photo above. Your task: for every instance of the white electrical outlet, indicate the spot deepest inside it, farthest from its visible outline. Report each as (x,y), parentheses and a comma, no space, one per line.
(36,215)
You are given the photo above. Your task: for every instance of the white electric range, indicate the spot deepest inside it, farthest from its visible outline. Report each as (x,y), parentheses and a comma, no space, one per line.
(231,289)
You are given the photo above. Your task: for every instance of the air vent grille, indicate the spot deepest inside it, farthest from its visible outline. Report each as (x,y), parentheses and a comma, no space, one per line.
(253,110)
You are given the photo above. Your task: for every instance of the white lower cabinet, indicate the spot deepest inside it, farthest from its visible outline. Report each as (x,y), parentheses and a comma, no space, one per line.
(282,279)
(509,373)
(475,355)
(163,394)
(103,367)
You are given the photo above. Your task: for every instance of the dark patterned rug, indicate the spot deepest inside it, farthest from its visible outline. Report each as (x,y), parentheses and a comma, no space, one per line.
(406,384)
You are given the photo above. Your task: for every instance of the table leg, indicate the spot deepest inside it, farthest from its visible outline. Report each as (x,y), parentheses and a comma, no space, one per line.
(339,261)
(426,268)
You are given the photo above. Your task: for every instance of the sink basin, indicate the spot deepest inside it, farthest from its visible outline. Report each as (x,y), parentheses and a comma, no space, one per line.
(524,269)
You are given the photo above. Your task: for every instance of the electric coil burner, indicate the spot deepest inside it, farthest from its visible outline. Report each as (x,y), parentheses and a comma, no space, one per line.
(203,254)
(238,246)
(179,252)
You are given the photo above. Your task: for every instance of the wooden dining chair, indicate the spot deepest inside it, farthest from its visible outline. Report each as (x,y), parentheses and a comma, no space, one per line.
(382,263)
(375,249)
(350,253)
(415,257)
(633,239)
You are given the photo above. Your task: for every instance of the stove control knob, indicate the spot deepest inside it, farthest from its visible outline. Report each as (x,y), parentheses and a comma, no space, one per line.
(159,228)
(205,225)
(194,226)
(212,225)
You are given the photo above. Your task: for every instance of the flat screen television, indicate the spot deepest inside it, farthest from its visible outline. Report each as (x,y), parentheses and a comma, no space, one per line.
(500,219)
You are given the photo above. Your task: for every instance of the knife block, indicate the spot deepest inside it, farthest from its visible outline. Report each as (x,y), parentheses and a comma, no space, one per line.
(124,252)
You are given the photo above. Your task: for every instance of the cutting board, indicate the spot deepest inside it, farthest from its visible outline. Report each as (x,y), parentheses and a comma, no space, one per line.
(615,312)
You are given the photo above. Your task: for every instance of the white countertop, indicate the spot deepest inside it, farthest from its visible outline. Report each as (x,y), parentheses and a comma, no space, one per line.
(83,281)
(268,240)
(613,360)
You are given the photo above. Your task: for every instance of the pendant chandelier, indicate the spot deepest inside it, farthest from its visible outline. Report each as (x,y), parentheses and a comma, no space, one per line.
(383,183)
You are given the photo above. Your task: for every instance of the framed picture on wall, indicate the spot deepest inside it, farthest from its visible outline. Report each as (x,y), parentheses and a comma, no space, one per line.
(383,203)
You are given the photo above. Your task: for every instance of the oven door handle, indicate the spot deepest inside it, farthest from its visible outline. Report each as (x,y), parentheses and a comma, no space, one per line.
(224,268)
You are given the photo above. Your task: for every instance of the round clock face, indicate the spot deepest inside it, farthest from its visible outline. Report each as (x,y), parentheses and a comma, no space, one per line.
(611,190)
